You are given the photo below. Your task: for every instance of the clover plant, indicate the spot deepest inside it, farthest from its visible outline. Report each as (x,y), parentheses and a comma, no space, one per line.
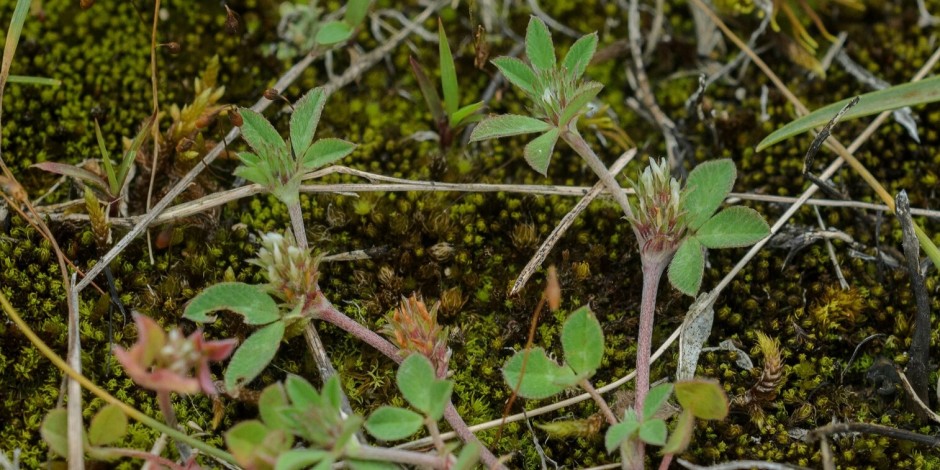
(533,374)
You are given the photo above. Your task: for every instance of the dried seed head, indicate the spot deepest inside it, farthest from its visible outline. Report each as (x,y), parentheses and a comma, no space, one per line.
(100,226)
(771,378)
(414,329)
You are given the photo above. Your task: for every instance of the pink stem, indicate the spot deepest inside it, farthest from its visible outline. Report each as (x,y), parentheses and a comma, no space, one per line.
(325,310)
(653,267)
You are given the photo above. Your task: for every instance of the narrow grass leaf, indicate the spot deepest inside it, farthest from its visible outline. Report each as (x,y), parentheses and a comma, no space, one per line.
(687,267)
(326,151)
(653,432)
(131,154)
(908,94)
(428,91)
(448,72)
(541,374)
(108,425)
(507,125)
(538,153)
(333,32)
(733,227)
(465,114)
(260,134)
(253,356)
(705,399)
(13,39)
(306,117)
(106,161)
(583,341)
(706,188)
(579,55)
(517,72)
(390,423)
(73,171)
(655,399)
(538,45)
(28,80)
(248,300)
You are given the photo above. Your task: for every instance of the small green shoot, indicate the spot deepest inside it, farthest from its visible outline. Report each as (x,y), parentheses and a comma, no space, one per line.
(449,117)
(116,177)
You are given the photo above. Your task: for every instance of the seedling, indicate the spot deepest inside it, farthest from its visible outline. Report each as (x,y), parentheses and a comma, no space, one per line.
(449,117)
(115,180)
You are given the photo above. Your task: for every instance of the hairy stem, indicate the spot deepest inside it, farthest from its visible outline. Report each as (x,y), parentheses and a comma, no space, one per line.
(653,267)
(574,139)
(601,403)
(407,457)
(297,224)
(325,310)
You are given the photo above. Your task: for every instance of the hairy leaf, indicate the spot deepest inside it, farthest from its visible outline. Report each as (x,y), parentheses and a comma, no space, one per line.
(254,355)
(538,45)
(421,388)
(261,135)
(583,341)
(304,120)
(705,399)
(681,435)
(517,72)
(655,399)
(653,432)
(733,227)
(706,188)
(298,459)
(390,423)
(507,125)
(249,301)
(54,431)
(108,425)
(542,375)
(538,152)
(575,106)
(687,267)
(579,55)
(326,151)
(621,431)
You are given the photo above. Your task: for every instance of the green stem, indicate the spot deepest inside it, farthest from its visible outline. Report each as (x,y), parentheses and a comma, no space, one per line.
(105,396)
(574,139)
(601,403)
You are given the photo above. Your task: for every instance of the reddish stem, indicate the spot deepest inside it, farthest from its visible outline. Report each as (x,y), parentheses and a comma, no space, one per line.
(653,267)
(325,310)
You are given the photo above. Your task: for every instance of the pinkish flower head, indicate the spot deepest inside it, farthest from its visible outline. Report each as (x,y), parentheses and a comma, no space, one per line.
(414,329)
(164,361)
(658,217)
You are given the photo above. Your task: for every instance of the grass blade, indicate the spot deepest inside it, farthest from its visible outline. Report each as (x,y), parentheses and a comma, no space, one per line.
(34,80)
(908,94)
(448,73)
(106,162)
